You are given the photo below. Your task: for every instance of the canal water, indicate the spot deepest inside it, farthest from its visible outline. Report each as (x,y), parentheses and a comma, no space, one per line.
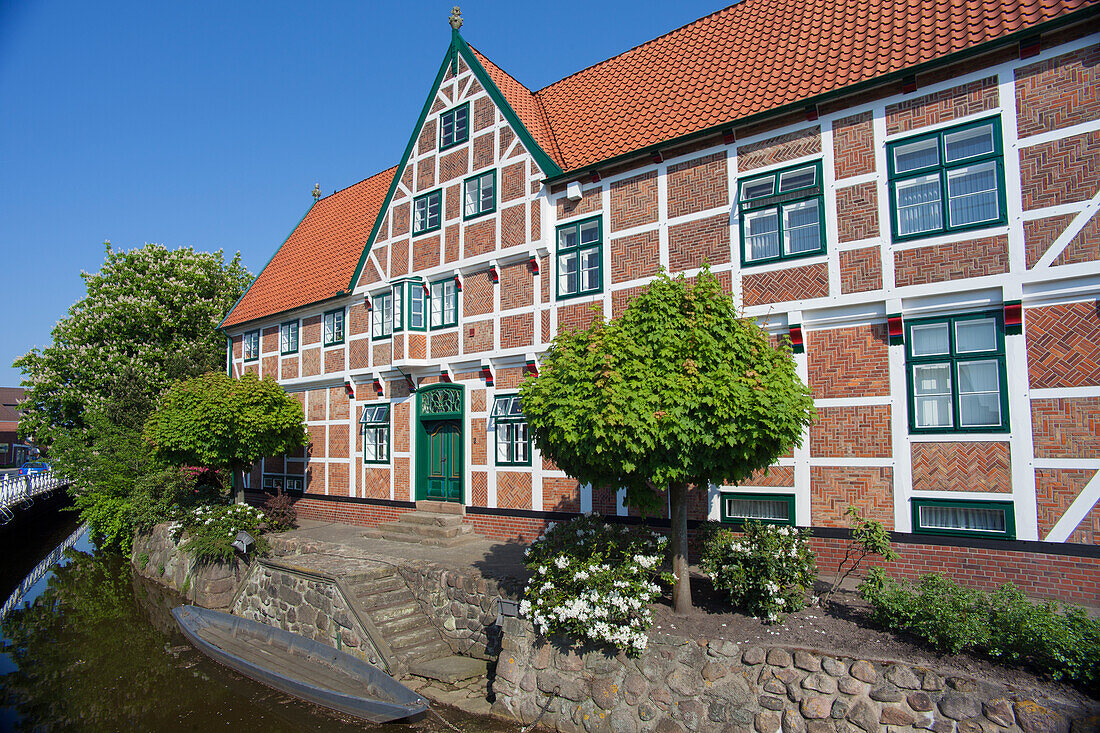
(92,647)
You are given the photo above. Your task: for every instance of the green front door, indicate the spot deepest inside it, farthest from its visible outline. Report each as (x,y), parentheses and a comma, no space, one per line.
(444,469)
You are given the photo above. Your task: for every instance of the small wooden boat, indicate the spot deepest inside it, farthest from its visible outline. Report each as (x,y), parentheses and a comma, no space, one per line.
(299,666)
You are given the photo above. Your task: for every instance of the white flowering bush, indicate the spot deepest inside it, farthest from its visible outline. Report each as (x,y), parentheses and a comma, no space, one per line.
(595,581)
(766,571)
(211,529)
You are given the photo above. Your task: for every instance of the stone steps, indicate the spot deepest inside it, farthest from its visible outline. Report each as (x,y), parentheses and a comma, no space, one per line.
(438,525)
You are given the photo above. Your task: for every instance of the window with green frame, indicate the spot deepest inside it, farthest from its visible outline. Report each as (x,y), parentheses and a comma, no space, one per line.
(428,212)
(956,374)
(375,424)
(398,291)
(966,518)
(580,254)
(251,345)
(284,481)
(288,337)
(479,195)
(382,315)
(454,126)
(418,295)
(334,327)
(782,214)
(444,303)
(948,180)
(738,508)
(512,437)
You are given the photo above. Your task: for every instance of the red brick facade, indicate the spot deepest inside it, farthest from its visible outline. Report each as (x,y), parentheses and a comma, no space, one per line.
(969,466)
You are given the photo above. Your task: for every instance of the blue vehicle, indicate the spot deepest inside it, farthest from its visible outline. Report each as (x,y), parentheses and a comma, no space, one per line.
(32,467)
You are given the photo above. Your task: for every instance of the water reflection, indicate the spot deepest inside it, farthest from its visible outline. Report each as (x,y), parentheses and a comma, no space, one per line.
(97,649)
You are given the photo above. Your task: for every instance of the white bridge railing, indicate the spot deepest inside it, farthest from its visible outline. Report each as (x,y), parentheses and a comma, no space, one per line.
(39,570)
(16,490)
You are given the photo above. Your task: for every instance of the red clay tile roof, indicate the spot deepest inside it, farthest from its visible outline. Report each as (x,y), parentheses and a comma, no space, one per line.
(318,258)
(753,57)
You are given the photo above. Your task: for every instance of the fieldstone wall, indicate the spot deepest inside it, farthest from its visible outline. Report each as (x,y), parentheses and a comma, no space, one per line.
(213,585)
(692,685)
(305,604)
(463,605)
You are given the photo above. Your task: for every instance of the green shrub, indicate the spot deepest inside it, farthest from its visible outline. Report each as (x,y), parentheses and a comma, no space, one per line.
(869,537)
(595,581)
(1004,625)
(766,571)
(211,529)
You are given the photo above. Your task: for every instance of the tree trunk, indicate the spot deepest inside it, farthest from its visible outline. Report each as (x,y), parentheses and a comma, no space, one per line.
(681,593)
(238,485)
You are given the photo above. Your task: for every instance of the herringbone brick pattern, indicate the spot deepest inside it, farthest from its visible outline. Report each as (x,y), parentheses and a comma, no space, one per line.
(270,366)
(1063,345)
(853,145)
(479,488)
(578,316)
(513,226)
(400,220)
(452,201)
(634,201)
(450,243)
(857,212)
(425,253)
(536,222)
(1055,490)
(401,482)
(310,332)
(484,112)
(454,165)
(510,377)
(427,139)
(358,319)
(1059,92)
(620,299)
(517,284)
(483,151)
(399,258)
(478,439)
(481,237)
(311,362)
(444,344)
(359,354)
(1085,247)
(950,104)
(544,268)
(477,295)
(418,346)
(698,185)
(779,149)
(1061,171)
(511,181)
(376,265)
(376,482)
(506,138)
(860,270)
(334,361)
(425,174)
(634,256)
(381,354)
(545,335)
(591,200)
(288,369)
(517,331)
(860,431)
(318,405)
(1039,234)
(778,286)
(848,362)
(1088,531)
(514,489)
(477,400)
(951,261)
(560,494)
(477,336)
(337,441)
(407,177)
(1066,427)
(834,488)
(984,466)
(694,243)
(776,476)
(338,406)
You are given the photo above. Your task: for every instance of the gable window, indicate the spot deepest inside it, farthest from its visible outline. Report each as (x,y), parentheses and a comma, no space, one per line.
(454,126)
(417,297)
(969,518)
(580,252)
(738,508)
(428,212)
(375,424)
(288,337)
(947,180)
(334,327)
(956,374)
(781,214)
(479,195)
(513,439)
(251,343)
(444,304)
(382,315)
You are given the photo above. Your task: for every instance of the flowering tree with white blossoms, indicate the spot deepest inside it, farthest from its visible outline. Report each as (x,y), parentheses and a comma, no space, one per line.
(594,581)
(766,572)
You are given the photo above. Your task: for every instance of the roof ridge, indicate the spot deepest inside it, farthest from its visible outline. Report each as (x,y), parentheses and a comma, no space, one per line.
(636,47)
(353,185)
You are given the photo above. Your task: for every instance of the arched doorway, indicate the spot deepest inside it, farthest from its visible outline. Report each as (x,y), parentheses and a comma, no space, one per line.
(440,447)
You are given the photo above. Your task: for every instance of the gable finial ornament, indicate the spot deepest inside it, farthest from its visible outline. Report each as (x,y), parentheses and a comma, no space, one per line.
(316,192)
(456,18)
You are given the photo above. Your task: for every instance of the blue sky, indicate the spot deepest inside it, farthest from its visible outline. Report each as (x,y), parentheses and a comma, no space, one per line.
(206,124)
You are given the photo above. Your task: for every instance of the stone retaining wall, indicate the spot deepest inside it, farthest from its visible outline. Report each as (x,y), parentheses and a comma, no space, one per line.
(305,604)
(463,605)
(689,685)
(213,585)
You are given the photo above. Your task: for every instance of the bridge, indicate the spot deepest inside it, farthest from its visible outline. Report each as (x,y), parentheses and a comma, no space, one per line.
(20,491)
(40,569)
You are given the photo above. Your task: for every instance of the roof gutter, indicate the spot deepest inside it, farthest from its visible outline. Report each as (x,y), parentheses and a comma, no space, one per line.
(1068,19)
